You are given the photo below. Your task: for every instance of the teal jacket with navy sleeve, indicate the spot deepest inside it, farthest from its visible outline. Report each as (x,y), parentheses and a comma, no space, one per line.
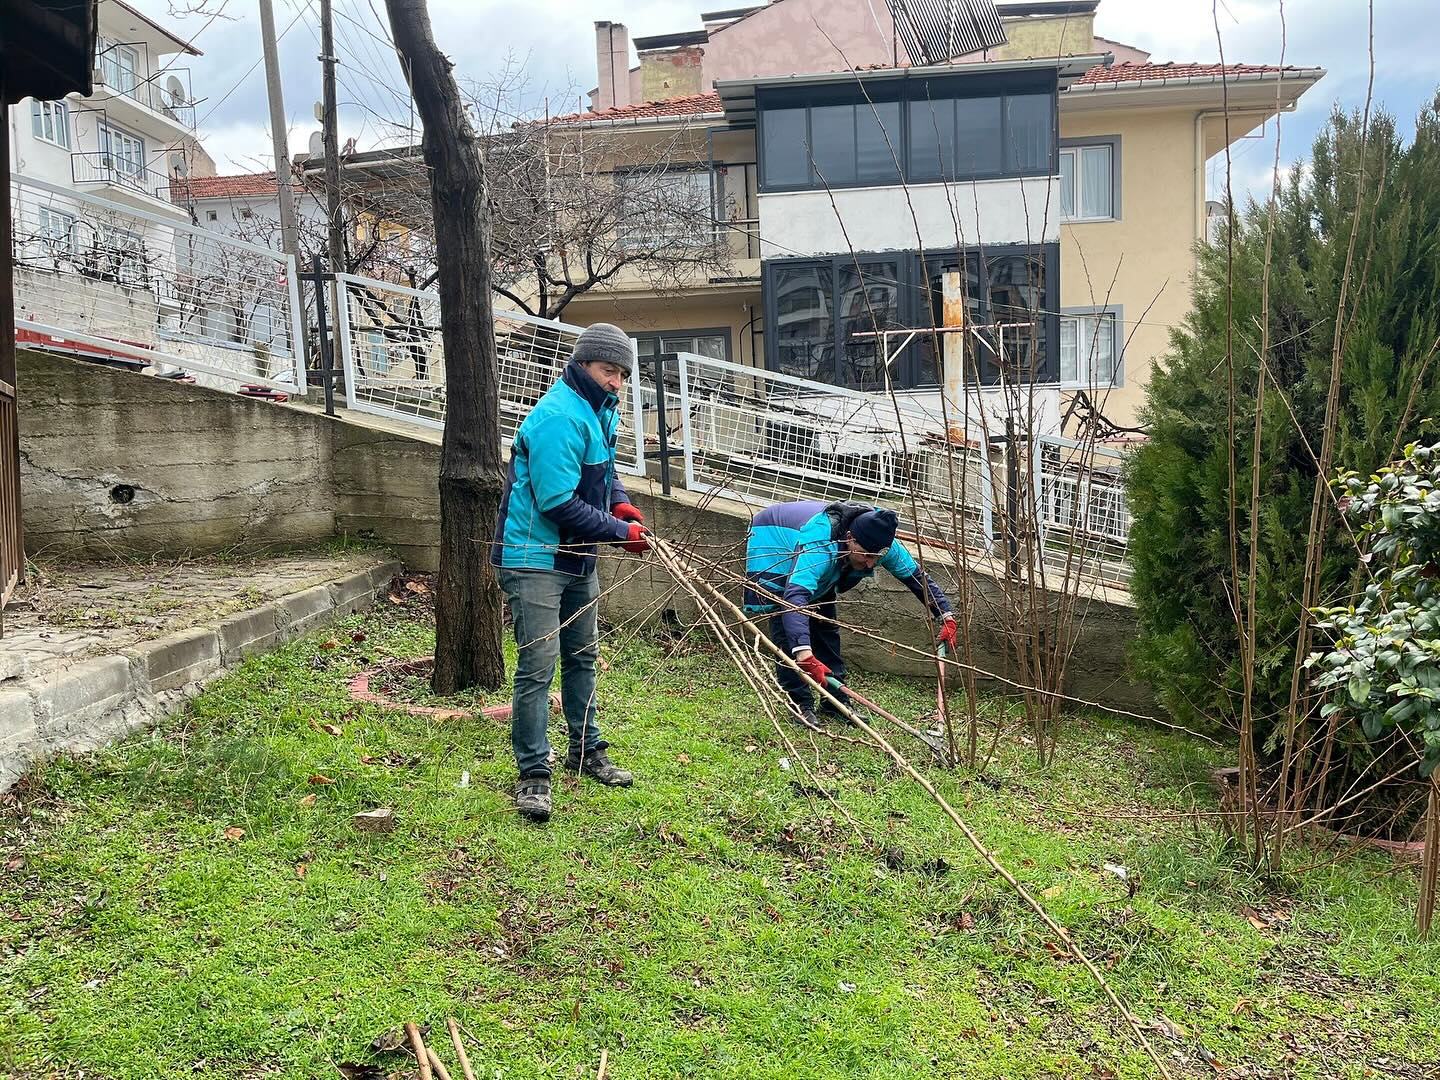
(796,553)
(562,482)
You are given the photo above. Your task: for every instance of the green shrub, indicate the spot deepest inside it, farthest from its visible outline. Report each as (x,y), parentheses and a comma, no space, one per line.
(1179,486)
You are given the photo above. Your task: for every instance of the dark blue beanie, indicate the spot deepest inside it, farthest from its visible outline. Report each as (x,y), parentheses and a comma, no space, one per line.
(874,530)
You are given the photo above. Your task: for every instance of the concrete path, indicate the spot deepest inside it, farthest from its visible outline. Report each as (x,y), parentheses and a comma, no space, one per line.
(91,653)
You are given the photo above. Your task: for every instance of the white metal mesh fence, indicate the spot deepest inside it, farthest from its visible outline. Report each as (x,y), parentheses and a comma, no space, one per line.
(394,361)
(105,278)
(763,437)
(1082,510)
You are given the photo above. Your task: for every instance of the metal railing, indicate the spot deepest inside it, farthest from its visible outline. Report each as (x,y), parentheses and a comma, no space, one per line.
(99,277)
(762,437)
(104,167)
(1082,512)
(393,359)
(166,92)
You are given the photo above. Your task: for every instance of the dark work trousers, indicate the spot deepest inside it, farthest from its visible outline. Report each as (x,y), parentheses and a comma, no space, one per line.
(824,643)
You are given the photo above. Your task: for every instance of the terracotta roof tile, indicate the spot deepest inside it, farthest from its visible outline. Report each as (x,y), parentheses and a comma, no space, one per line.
(1130,72)
(690,105)
(221,187)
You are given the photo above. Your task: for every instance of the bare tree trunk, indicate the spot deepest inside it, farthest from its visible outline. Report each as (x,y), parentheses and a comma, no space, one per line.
(468,618)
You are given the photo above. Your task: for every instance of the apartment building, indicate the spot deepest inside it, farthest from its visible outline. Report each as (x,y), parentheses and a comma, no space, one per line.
(856,165)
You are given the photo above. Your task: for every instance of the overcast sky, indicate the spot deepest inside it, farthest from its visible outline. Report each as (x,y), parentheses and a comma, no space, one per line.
(555,41)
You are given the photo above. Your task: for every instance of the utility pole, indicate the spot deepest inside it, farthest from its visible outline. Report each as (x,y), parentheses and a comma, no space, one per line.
(332,140)
(289,228)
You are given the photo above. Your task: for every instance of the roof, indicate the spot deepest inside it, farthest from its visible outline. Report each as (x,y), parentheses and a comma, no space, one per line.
(224,187)
(185,45)
(1129,74)
(689,105)
(1177,72)
(47,54)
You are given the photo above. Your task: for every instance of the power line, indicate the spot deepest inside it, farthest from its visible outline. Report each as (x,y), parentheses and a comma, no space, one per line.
(248,72)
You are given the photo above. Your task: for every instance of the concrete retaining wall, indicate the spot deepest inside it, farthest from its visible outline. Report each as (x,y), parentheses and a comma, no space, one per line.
(112,462)
(211,470)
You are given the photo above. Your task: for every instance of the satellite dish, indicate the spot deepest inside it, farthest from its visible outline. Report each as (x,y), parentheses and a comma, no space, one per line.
(178,165)
(317,145)
(176,90)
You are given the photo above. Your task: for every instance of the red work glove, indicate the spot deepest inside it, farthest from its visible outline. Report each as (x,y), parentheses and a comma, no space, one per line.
(626,512)
(815,668)
(637,544)
(949,633)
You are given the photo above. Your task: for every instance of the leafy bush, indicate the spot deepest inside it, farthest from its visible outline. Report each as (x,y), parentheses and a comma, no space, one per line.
(1188,646)
(1385,660)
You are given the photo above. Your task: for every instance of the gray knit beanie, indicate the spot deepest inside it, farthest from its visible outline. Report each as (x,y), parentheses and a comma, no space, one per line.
(607,343)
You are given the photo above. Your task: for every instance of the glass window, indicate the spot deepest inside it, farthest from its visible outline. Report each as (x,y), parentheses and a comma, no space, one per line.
(804,328)
(930,362)
(1067,184)
(832,144)
(1087,183)
(659,208)
(786,164)
(1029,126)
(1088,350)
(1016,291)
(122,154)
(50,120)
(118,66)
(978,138)
(376,354)
(877,142)
(868,299)
(932,140)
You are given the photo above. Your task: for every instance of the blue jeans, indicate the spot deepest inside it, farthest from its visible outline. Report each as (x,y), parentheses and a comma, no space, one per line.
(555,617)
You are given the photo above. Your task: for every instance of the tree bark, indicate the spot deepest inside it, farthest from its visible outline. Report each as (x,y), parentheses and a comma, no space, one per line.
(468,619)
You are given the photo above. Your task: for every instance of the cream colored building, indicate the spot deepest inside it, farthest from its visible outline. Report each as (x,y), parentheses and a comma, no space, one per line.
(1071,187)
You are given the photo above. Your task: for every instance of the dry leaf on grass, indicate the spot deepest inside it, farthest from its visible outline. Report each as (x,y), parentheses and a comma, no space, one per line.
(234,832)
(308,800)
(332,730)
(320,778)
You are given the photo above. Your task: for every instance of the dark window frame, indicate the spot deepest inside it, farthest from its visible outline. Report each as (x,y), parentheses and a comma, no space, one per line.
(658,337)
(916,305)
(906,92)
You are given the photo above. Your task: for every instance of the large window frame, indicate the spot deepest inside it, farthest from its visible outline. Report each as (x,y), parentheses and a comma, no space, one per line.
(1076,150)
(50,122)
(1086,322)
(915,368)
(905,94)
(654,342)
(655,226)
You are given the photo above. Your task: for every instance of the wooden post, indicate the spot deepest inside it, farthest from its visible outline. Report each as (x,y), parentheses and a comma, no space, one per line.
(12,537)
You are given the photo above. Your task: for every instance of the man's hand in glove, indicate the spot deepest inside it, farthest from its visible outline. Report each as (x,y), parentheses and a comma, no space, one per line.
(637,544)
(950,633)
(627,512)
(814,667)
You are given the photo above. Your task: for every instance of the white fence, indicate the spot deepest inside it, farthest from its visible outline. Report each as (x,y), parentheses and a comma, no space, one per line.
(107,279)
(1080,505)
(762,437)
(393,357)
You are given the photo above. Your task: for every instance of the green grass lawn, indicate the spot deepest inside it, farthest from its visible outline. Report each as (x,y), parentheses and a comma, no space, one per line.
(715,920)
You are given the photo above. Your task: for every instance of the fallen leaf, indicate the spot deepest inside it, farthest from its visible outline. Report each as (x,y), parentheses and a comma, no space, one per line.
(320,778)
(331,644)
(1053,891)
(751,748)
(329,729)
(308,800)
(967,921)
(234,832)
(419,588)
(683,759)
(15,864)
(301,869)
(358,636)
(394,599)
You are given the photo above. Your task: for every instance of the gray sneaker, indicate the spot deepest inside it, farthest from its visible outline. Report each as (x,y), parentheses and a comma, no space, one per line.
(597,765)
(532,798)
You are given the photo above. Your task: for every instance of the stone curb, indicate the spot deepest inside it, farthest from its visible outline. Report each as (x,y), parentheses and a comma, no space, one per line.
(89,704)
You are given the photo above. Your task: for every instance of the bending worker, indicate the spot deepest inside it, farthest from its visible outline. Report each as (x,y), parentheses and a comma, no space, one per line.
(561,499)
(799,557)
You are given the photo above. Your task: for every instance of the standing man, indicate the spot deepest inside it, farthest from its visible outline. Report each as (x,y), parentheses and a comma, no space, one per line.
(561,499)
(799,557)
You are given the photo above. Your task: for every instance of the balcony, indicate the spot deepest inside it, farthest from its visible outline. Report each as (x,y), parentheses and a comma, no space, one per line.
(123,179)
(165,96)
